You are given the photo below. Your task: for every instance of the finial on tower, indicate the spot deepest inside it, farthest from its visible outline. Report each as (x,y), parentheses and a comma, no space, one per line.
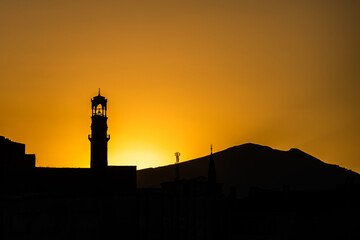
(99,91)
(211,148)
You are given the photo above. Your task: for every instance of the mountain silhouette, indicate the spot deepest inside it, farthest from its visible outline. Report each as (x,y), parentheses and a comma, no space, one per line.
(251,165)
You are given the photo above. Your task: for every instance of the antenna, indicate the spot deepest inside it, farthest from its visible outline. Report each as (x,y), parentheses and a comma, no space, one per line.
(177,155)
(177,174)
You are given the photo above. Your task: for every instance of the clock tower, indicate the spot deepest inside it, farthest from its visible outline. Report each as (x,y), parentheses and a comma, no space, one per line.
(99,137)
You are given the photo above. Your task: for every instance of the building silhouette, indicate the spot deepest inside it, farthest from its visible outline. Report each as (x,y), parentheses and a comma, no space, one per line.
(13,156)
(99,136)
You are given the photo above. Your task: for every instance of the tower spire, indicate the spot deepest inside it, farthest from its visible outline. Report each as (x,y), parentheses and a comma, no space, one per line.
(211,169)
(99,91)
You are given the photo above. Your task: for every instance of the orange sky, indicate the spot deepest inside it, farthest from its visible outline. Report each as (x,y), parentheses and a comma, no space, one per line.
(180,75)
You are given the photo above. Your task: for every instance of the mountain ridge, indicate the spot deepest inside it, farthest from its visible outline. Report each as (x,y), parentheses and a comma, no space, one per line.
(252,165)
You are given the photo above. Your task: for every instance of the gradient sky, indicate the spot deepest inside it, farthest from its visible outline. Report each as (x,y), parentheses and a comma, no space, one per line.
(179,76)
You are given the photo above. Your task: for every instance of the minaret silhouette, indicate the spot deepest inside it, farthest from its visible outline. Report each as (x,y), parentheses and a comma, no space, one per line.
(99,136)
(211,170)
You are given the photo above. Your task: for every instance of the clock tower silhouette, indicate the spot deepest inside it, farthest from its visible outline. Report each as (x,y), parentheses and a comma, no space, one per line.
(99,136)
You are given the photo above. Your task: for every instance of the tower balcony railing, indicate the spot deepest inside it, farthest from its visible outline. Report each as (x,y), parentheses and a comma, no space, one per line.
(107,136)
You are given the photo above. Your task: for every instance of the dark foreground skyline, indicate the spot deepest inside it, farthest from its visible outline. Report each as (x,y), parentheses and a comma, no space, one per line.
(245,192)
(288,195)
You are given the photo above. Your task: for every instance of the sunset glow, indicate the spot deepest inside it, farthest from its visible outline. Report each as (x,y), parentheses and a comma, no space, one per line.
(179,76)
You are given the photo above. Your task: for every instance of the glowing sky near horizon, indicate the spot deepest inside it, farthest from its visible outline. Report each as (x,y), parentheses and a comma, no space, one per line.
(179,76)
